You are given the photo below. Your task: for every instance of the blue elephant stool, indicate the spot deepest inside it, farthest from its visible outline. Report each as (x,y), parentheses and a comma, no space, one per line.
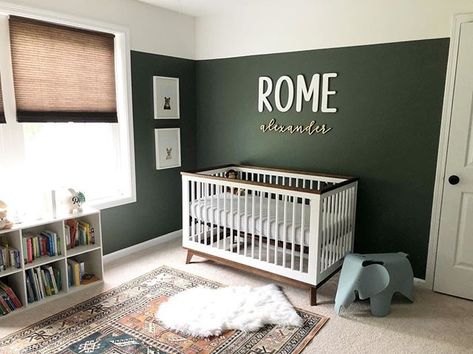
(377,277)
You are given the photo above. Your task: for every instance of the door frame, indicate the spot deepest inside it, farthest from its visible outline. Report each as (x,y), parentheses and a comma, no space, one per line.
(443,147)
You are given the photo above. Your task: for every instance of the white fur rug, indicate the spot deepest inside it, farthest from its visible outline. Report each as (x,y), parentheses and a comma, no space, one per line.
(202,312)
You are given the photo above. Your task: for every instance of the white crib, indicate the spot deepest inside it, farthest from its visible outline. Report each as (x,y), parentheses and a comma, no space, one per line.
(291,226)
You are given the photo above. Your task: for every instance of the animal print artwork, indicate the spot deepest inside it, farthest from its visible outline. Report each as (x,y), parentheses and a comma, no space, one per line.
(169,153)
(167,103)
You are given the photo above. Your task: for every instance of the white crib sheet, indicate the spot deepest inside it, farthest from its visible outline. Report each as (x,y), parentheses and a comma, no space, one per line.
(205,209)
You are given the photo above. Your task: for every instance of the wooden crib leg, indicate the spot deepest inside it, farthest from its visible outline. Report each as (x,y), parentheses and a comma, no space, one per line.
(313,296)
(189,256)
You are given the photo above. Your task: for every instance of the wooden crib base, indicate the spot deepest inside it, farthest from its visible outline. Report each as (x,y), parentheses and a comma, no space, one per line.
(263,273)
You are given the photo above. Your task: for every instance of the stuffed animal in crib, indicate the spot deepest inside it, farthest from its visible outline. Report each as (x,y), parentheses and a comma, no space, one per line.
(232,174)
(4,222)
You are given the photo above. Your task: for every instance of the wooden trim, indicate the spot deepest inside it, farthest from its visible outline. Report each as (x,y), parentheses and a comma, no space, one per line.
(250,269)
(208,169)
(252,183)
(273,169)
(273,186)
(348,180)
(298,172)
(338,185)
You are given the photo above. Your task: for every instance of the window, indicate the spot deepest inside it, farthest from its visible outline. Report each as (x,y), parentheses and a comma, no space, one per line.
(68,122)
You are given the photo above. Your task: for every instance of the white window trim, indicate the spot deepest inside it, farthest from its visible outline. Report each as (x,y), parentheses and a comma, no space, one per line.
(122,79)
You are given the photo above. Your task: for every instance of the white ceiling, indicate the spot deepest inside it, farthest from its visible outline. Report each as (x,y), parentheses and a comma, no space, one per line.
(197,8)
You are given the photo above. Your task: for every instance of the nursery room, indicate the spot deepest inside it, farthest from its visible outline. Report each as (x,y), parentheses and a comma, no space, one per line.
(236,176)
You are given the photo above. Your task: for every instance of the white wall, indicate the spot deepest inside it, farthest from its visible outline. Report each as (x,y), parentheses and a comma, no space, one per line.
(152,29)
(271,26)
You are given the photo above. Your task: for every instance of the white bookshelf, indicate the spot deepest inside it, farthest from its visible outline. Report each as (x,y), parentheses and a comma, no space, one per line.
(92,255)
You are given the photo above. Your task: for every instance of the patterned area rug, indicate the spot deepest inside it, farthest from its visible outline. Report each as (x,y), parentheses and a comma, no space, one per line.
(122,320)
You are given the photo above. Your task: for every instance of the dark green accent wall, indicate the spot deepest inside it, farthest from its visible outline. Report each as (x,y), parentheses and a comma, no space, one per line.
(158,207)
(385,132)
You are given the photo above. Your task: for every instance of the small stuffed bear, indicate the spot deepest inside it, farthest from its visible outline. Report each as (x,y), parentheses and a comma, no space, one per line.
(232,174)
(4,222)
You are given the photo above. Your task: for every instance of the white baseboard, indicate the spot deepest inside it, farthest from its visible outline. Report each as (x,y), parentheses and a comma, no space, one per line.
(422,283)
(141,246)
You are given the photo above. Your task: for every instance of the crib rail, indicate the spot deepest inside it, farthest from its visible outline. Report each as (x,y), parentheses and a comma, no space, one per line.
(271,220)
(315,182)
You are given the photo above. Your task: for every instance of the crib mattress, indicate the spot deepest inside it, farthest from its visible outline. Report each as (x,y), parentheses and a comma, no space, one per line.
(229,210)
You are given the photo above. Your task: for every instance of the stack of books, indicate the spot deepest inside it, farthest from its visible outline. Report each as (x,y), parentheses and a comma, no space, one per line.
(8,300)
(9,257)
(47,243)
(76,273)
(42,282)
(78,233)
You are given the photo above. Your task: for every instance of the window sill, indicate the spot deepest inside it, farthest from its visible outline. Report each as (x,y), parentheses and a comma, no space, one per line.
(111,202)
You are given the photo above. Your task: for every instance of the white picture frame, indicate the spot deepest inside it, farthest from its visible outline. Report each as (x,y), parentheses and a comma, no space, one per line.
(168,147)
(166,97)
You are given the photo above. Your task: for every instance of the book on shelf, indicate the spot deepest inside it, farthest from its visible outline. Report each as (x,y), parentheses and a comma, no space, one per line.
(36,245)
(9,257)
(8,300)
(78,233)
(76,273)
(42,282)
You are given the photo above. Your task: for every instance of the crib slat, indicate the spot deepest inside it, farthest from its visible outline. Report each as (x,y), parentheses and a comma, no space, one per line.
(345,221)
(238,215)
(193,205)
(199,201)
(246,223)
(232,226)
(352,215)
(204,219)
(253,216)
(218,215)
(335,229)
(321,251)
(224,222)
(276,229)
(338,226)
(260,225)
(293,222)
(284,232)
(268,234)
(302,241)
(332,230)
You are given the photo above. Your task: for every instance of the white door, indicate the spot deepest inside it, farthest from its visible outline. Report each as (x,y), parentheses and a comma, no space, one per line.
(454,266)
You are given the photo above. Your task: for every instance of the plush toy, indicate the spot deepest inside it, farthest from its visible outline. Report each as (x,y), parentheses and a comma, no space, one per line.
(232,174)
(75,201)
(4,222)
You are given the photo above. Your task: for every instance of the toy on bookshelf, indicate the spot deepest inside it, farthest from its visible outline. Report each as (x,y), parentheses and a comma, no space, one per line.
(8,300)
(46,243)
(78,233)
(76,273)
(4,222)
(9,256)
(42,282)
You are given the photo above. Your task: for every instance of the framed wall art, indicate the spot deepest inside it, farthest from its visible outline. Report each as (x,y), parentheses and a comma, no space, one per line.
(166,97)
(168,148)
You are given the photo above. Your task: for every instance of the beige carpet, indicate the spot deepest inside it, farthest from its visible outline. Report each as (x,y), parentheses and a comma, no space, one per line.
(435,323)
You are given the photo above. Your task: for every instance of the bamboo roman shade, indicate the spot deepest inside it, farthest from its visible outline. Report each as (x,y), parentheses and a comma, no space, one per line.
(62,74)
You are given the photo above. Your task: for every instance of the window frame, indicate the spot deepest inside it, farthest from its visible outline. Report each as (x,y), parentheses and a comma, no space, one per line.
(122,86)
